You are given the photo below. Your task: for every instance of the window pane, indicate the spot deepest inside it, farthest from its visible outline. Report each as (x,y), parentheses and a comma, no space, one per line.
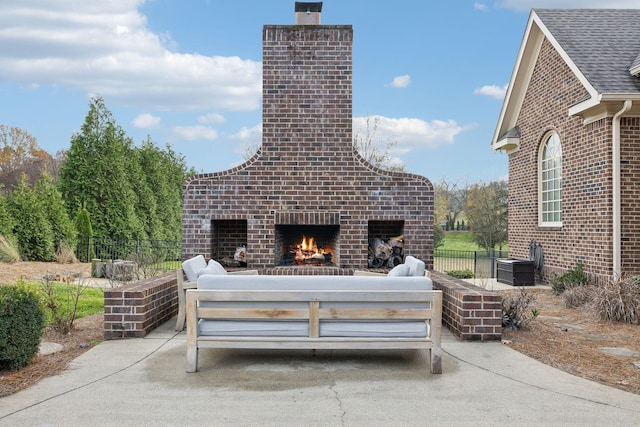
(551,180)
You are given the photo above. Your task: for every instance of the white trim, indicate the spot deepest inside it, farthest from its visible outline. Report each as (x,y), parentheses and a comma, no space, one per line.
(511,145)
(520,78)
(617,237)
(541,223)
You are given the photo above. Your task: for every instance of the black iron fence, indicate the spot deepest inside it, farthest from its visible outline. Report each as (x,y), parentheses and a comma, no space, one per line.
(482,264)
(165,255)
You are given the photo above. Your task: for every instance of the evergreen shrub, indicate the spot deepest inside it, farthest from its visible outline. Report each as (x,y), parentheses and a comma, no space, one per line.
(22,322)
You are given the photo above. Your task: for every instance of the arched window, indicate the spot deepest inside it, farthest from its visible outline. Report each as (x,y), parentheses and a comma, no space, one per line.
(550,206)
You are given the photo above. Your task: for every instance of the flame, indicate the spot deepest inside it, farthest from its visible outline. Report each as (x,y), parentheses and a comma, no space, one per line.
(308,249)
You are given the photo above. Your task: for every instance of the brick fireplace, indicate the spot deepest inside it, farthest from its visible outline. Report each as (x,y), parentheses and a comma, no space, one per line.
(306,180)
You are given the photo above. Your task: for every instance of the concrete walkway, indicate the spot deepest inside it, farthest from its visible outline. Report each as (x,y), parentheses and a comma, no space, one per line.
(142,382)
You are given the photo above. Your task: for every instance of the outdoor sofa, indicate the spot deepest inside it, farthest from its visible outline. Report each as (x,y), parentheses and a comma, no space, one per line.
(400,310)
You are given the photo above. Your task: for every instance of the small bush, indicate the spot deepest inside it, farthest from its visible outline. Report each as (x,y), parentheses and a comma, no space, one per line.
(61,302)
(573,277)
(65,255)
(9,251)
(22,322)
(517,310)
(461,274)
(576,296)
(618,300)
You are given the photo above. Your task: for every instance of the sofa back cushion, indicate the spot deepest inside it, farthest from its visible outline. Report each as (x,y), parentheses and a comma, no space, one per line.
(354,283)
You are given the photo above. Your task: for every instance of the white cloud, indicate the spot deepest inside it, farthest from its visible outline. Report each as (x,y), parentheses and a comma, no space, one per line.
(401,81)
(250,135)
(211,119)
(493,91)
(194,133)
(568,4)
(106,48)
(146,121)
(480,6)
(408,134)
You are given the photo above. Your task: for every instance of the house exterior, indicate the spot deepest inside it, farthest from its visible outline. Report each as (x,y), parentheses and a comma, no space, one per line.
(570,126)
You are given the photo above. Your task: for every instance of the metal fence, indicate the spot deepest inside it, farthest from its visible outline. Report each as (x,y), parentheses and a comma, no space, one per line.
(483,264)
(165,255)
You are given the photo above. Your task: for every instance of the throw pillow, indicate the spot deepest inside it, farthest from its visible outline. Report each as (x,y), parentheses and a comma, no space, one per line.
(214,267)
(399,270)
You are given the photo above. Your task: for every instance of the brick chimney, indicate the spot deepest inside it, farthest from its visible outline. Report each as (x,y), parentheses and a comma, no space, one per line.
(308,13)
(307,178)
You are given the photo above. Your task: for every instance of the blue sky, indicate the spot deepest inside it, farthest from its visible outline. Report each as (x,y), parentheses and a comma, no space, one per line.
(188,73)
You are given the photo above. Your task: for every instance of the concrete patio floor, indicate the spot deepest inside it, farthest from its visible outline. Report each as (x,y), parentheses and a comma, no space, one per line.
(143,382)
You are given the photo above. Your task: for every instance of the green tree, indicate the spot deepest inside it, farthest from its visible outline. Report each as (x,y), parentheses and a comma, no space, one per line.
(487,213)
(96,172)
(85,234)
(6,220)
(438,236)
(164,172)
(33,230)
(64,233)
(450,202)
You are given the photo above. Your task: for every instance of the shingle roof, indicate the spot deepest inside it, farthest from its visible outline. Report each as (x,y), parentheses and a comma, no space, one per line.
(603,43)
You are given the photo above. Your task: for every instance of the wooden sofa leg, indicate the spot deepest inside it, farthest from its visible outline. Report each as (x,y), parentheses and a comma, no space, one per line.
(436,361)
(182,313)
(192,359)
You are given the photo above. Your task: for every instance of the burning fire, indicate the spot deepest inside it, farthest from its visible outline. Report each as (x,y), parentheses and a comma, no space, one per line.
(307,252)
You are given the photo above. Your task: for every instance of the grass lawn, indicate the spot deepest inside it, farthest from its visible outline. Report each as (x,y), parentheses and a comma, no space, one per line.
(462,241)
(90,301)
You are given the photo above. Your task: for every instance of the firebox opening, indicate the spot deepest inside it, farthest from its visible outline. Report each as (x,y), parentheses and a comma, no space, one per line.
(229,242)
(307,245)
(386,243)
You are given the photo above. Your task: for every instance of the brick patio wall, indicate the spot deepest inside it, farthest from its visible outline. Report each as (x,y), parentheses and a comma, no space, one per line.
(134,310)
(471,313)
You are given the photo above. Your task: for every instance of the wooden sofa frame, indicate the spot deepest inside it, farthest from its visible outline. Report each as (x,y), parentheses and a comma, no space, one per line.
(432,314)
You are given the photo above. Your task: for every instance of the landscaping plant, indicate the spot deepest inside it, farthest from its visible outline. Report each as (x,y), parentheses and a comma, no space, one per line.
(22,322)
(518,310)
(66,302)
(618,300)
(573,277)
(9,251)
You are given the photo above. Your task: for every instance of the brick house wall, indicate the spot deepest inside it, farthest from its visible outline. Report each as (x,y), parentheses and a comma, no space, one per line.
(586,232)
(307,168)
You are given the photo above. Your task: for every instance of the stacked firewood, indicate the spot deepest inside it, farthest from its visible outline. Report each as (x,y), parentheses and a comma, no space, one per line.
(386,252)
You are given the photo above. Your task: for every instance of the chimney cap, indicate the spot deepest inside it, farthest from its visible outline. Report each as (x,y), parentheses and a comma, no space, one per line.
(315,7)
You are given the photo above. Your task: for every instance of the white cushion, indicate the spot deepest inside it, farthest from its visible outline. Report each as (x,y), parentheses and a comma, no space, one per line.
(214,267)
(416,266)
(399,270)
(192,267)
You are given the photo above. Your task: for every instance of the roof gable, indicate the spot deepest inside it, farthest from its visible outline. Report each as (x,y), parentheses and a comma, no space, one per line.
(603,44)
(600,46)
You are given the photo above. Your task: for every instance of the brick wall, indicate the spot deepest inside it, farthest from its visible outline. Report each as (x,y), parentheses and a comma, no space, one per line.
(134,310)
(469,312)
(307,162)
(587,226)
(630,194)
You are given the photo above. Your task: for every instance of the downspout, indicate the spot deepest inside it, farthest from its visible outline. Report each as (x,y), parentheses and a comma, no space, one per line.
(617,218)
